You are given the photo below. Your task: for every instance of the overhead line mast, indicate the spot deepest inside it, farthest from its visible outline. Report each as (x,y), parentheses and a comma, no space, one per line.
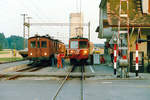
(24,19)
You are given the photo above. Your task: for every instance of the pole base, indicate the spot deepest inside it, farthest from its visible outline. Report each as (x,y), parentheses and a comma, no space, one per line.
(115,71)
(136,72)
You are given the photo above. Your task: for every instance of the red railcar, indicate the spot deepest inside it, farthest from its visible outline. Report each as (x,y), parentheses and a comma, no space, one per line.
(78,49)
(44,48)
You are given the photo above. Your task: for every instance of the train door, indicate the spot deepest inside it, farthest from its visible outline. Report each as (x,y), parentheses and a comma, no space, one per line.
(38,50)
(45,48)
(32,48)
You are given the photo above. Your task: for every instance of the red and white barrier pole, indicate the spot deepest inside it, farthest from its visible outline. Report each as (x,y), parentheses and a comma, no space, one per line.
(115,58)
(137,60)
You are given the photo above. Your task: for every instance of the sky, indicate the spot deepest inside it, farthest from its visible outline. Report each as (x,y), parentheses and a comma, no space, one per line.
(52,11)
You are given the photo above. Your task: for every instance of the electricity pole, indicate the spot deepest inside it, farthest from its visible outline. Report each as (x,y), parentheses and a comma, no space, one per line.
(24,19)
(28,25)
(89,31)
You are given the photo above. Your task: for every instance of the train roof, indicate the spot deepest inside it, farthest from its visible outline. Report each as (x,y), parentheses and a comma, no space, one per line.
(58,40)
(46,36)
(78,38)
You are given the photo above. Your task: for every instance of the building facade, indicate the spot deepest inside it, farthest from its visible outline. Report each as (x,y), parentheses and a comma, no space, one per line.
(139,20)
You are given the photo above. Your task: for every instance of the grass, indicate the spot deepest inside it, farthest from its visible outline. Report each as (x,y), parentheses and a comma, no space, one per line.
(10,59)
(4,52)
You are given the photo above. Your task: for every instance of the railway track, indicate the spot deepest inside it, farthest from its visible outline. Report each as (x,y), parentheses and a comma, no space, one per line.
(27,69)
(82,78)
(13,61)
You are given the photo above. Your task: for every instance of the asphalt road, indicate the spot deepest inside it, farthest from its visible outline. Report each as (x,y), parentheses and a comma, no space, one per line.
(44,88)
(93,90)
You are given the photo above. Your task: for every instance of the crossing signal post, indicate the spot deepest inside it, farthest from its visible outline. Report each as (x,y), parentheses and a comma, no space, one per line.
(115,59)
(137,61)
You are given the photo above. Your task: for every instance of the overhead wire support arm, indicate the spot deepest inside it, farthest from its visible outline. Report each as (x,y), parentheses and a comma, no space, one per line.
(57,24)
(24,22)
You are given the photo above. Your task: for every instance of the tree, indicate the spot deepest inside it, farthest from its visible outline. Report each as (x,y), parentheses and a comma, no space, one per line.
(16,42)
(12,42)
(2,41)
(0,47)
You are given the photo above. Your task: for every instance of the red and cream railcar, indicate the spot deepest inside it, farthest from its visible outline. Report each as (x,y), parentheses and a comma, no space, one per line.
(78,49)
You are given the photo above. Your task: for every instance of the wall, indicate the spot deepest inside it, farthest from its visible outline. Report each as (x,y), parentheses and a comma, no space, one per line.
(142,46)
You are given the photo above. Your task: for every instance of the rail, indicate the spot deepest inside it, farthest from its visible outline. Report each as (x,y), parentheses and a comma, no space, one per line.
(27,69)
(63,82)
(82,79)
(65,79)
(13,61)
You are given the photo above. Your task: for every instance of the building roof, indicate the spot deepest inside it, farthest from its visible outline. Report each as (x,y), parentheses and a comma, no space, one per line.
(136,18)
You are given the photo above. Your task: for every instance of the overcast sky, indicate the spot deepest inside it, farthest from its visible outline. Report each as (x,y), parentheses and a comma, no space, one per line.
(56,11)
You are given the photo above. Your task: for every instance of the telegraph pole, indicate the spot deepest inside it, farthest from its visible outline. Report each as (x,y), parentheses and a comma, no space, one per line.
(24,19)
(28,26)
(81,22)
(89,31)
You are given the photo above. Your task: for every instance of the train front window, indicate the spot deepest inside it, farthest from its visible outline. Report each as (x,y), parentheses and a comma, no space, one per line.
(33,44)
(83,44)
(74,44)
(44,44)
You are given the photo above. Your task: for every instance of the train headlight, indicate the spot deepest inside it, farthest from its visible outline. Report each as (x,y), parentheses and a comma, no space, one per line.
(45,53)
(85,52)
(31,54)
(71,51)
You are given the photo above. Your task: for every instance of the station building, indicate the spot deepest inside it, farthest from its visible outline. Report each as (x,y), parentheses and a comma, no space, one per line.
(139,21)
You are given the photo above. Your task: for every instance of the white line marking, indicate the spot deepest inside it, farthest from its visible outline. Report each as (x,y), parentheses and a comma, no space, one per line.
(92,69)
(106,82)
